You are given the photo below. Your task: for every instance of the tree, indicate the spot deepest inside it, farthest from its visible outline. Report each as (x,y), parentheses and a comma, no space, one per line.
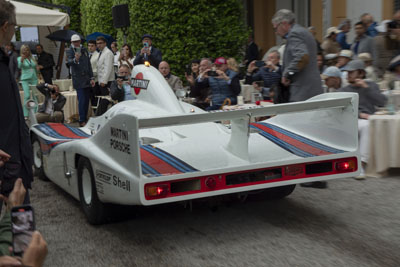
(190,29)
(75,16)
(97,16)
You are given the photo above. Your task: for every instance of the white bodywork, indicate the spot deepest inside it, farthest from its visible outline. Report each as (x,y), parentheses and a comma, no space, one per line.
(191,135)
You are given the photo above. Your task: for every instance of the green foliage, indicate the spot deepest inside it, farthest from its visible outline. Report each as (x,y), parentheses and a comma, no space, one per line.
(75,16)
(97,16)
(190,29)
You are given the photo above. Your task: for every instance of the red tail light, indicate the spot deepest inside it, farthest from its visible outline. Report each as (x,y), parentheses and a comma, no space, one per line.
(157,191)
(345,166)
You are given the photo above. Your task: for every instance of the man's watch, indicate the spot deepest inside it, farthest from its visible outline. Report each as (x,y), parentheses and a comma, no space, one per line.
(290,75)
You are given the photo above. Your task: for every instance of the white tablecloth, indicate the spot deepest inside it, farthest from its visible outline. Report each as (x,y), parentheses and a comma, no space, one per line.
(384,133)
(63,84)
(71,105)
(246,92)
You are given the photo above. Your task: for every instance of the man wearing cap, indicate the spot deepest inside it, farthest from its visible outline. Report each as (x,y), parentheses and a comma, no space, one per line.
(82,75)
(300,70)
(148,53)
(330,45)
(362,42)
(369,98)
(332,77)
(224,84)
(171,79)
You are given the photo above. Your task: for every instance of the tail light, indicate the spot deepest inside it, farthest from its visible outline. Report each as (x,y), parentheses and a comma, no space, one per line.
(346,166)
(157,191)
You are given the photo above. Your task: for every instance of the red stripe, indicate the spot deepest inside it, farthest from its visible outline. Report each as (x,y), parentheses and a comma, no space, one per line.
(156,163)
(64,131)
(305,147)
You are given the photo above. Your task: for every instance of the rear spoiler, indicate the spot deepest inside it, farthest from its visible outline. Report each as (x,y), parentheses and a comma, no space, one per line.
(120,136)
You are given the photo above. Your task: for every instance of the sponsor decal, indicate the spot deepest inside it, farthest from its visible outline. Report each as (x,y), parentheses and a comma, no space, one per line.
(123,184)
(139,83)
(102,178)
(118,140)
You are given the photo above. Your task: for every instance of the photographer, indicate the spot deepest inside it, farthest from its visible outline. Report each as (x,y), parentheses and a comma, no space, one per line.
(148,53)
(51,110)
(121,89)
(270,74)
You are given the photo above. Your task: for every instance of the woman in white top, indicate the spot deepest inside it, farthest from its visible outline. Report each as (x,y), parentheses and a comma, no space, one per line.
(126,56)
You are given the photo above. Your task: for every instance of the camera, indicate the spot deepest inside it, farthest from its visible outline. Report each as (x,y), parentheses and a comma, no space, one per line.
(188,69)
(260,63)
(22,227)
(52,91)
(212,73)
(124,78)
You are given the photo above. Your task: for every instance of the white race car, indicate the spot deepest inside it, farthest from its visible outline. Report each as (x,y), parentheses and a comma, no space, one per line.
(156,149)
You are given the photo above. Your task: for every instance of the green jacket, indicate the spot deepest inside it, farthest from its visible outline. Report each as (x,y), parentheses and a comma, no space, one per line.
(28,69)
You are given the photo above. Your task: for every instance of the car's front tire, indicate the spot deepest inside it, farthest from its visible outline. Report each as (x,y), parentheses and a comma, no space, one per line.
(94,209)
(38,159)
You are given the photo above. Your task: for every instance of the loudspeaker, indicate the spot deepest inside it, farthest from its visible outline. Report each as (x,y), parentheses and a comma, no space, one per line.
(120,15)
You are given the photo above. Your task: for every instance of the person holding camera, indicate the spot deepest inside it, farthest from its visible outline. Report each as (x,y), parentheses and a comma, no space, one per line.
(224,84)
(121,89)
(148,53)
(52,108)
(269,73)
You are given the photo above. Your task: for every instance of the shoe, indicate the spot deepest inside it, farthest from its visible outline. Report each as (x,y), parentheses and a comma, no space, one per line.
(362,175)
(82,124)
(318,184)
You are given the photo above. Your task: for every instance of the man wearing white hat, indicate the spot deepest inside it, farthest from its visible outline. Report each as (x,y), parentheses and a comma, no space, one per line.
(330,45)
(82,75)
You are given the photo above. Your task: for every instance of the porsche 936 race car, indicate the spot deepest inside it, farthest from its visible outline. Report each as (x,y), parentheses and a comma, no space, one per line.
(156,149)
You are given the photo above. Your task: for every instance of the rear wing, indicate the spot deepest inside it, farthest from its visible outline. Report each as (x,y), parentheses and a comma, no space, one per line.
(119,137)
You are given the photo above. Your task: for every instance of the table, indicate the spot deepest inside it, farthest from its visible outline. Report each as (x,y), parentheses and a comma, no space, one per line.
(246,91)
(63,84)
(71,105)
(384,144)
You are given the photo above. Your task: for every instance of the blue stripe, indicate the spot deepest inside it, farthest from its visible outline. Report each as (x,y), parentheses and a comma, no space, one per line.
(178,161)
(77,131)
(146,169)
(303,139)
(174,162)
(284,145)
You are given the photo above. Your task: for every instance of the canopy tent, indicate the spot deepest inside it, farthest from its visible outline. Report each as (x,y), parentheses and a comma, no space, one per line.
(31,15)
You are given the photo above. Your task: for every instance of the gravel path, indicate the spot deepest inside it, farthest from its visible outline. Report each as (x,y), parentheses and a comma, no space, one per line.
(352,223)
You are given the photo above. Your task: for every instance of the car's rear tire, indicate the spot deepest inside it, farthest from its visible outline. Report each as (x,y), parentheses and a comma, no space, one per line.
(272,193)
(94,209)
(38,159)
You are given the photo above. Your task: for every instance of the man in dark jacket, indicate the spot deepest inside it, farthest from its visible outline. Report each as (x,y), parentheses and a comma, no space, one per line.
(52,108)
(148,53)
(12,54)
(82,75)
(14,133)
(45,64)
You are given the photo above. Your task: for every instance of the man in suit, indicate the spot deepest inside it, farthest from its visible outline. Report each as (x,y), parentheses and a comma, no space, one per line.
(300,71)
(148,53)
(45,64)
(251,51)
(14,133)
(105,66)
(105,73)
(12,54)
(94,56)
(82,75)
(52,108)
